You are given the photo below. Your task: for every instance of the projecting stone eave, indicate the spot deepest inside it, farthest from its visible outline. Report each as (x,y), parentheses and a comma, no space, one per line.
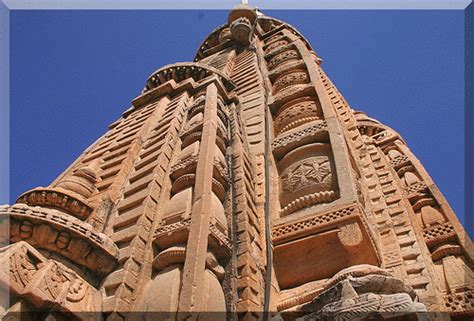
(174,87)
(182,70)
(57,231)
(201,53)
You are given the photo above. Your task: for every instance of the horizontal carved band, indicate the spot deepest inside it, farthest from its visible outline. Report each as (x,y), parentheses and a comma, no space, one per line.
(280,58)
(168,229)
(298,76)
(181,71)
(290,93)
(446,250)
(197,127)
(61,233)
(291,140)
(299,228)
(277,44)
(420,200)
(299,122)
(291,113)
(293,64)
(196,136)
(68,201)
(170,256)
(188,165)
(307,200)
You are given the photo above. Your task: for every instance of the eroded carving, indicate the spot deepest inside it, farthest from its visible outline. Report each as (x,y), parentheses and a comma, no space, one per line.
(308,173)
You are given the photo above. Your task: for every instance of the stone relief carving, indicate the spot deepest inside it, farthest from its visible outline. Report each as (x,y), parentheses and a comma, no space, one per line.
(291,78)
(311,172)
(297,112)
(335,201)
(284,57)
(277,44)
(305,171)
(46,283)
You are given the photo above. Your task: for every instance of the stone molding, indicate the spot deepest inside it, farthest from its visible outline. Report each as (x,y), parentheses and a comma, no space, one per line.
(61,233)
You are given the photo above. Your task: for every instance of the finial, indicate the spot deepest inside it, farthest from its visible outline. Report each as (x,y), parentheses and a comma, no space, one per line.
(245,2)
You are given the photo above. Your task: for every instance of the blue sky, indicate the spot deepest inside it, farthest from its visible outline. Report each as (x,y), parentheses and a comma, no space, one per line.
(75,72)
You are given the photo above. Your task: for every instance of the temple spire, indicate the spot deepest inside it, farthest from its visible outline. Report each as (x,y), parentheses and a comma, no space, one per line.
(239,184)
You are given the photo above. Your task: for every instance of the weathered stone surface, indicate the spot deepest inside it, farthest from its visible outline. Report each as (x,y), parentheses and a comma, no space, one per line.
(239,184)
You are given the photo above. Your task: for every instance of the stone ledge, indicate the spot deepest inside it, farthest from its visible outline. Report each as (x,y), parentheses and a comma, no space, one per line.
(61,233)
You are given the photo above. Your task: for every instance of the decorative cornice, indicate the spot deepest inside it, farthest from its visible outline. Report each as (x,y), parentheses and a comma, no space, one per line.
(58,198)
(61,233)
(183,70)
(295,138)
(297,229)
(174,88)
(211,43)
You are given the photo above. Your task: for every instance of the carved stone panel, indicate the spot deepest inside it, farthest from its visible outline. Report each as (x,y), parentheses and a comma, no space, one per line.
(307,177)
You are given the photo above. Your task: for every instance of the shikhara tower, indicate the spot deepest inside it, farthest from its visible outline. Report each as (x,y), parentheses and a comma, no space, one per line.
(240,182)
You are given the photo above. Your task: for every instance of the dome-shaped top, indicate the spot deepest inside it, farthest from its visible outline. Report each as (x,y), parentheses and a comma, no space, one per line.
(242,10)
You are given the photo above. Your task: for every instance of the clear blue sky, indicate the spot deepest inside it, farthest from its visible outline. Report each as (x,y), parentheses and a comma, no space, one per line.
(74,72)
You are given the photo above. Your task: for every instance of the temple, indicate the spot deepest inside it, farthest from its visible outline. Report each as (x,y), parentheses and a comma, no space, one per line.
(239,186)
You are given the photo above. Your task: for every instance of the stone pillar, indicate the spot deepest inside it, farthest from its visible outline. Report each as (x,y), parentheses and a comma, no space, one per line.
(194,267)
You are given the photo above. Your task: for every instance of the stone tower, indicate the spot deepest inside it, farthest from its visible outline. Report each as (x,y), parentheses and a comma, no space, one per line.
(239,183)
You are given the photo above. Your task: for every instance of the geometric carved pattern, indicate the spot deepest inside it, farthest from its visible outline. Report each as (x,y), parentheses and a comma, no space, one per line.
(310,131)
(281,57)
(322,153)
(308,172)
(398,161)
(296,228)
(438,233)
(460,302)
(291,78)
(414,188)
(48,283)
(172,227)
